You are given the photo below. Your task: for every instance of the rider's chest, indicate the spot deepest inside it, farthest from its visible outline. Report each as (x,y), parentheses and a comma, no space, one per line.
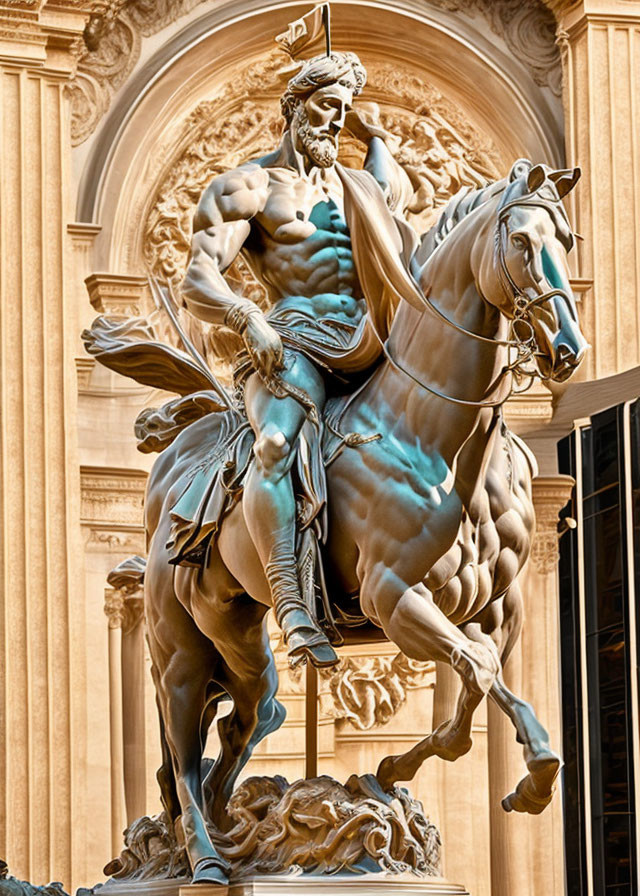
(293,208)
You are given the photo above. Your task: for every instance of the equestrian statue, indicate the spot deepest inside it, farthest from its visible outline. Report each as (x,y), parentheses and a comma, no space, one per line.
(361,476)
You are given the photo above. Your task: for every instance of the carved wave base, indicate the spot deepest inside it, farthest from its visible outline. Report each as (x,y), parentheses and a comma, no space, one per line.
(314,835)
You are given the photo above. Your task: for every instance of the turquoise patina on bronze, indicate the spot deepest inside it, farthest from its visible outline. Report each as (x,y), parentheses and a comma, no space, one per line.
(370,423)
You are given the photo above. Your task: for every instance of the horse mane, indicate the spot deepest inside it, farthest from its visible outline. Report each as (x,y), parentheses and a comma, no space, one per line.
(459,206)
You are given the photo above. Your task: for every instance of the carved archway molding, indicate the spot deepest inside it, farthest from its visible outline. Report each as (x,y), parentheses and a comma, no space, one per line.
(116,29)
(152,125)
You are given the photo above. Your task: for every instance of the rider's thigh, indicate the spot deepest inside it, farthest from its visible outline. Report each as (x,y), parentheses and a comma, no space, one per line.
(269,414)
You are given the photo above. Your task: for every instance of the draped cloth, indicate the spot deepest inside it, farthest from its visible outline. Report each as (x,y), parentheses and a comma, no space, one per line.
(382,246)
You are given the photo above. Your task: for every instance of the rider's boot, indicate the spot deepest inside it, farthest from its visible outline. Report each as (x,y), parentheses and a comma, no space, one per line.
(302,634)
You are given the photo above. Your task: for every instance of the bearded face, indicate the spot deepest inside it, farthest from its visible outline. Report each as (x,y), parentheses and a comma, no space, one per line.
(321,149)
(317,122)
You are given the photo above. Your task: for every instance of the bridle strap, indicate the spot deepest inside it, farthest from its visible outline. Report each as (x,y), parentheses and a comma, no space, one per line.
(523,306)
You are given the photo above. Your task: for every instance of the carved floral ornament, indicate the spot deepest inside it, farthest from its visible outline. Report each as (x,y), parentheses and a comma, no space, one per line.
(114,32)
(364,691)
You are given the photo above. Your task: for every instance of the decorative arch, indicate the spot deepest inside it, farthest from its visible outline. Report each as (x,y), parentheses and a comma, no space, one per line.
(207,97)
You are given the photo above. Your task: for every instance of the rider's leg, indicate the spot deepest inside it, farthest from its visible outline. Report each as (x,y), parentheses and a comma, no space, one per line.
(269,502)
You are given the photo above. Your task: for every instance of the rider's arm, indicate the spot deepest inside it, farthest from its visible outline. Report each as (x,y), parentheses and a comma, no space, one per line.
(220,228)
(364,123)
(393,179)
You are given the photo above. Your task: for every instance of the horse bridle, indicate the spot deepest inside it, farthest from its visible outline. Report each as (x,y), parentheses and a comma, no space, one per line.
(525,349)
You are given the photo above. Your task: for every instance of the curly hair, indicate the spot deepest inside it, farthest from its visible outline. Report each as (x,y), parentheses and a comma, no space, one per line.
(338,68)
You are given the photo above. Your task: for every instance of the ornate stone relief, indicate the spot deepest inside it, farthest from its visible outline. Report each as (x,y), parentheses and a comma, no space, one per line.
(363,691)
(112,503)
(114,31)
(112,41)
(368,691)
(528,27)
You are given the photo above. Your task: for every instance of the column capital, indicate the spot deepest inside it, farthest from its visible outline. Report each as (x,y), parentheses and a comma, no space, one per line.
(550,494)
(46,34)
(119,294)
(571,14)
(114,607)
(123,609)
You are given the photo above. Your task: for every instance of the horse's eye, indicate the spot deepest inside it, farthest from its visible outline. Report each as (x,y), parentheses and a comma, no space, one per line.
(519,241)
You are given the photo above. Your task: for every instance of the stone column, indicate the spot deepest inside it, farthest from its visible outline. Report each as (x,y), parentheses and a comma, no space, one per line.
(522,842)
(133,706)
(114,609)
(42,727)
(600,44)
(124,611)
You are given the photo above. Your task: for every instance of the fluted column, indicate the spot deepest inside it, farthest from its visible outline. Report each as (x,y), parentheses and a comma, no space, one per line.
(520,843)
(42,729)
(600,44)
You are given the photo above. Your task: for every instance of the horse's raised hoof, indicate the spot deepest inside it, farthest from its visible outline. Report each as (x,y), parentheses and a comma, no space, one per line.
(214,873)
(535,791)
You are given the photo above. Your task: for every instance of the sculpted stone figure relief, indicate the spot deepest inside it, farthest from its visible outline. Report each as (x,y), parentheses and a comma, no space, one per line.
(360,478)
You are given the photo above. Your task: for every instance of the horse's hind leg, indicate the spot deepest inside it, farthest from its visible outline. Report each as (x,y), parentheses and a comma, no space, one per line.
(422,631)
(249,676)
(184,663)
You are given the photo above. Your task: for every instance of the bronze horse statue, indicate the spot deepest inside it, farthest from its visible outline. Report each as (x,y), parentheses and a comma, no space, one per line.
(429,522)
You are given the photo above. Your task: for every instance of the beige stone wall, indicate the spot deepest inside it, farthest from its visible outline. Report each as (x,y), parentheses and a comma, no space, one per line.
(94,145)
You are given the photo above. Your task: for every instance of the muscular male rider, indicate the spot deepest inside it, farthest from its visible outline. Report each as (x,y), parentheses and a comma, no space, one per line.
(285,213)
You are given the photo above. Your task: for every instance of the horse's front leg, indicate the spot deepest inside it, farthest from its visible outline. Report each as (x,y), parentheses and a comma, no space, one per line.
(503,619)
(423,632)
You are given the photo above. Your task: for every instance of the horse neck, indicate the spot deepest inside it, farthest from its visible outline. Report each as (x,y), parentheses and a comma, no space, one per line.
(441,357)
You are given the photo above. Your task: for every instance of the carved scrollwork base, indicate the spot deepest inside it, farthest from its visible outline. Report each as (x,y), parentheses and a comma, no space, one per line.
(317,826)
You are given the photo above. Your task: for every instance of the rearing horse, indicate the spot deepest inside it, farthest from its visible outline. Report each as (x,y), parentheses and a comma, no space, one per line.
(429,525)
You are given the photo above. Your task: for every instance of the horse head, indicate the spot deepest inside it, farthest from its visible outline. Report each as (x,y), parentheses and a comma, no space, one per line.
(525,274)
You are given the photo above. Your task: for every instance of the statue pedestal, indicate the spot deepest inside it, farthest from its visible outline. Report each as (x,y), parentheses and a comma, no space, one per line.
(333,885)
(296,885)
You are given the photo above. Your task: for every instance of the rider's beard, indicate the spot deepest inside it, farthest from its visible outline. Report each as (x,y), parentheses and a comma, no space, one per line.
(322,150)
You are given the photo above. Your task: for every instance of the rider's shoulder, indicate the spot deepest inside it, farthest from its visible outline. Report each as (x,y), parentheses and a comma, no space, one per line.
(233,195)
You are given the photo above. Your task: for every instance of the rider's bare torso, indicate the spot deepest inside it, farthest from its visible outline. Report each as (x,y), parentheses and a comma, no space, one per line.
(300,248)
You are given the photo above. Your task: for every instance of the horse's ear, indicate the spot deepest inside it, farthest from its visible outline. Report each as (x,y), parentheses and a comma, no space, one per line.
(565,180)
(521,168)
(536,178)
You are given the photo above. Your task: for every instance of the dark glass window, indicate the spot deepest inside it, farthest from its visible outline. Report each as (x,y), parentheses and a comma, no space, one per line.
(606,643)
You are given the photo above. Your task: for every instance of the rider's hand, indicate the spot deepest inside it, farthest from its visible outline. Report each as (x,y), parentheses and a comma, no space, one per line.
(363,121)
(264,345)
